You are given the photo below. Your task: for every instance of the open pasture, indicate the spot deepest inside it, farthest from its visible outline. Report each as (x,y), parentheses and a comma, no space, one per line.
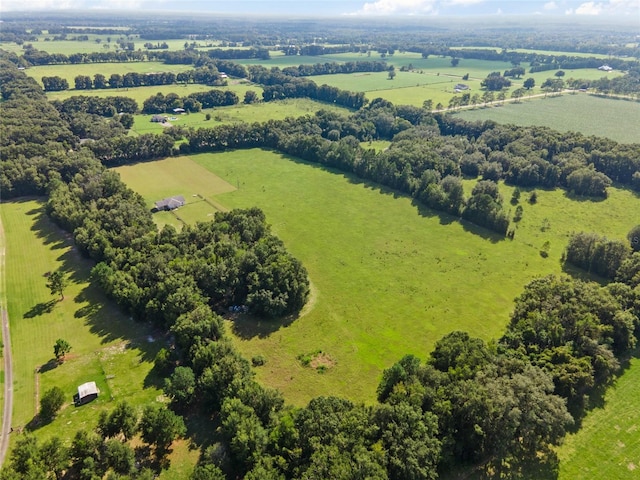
(177,176)
(388,276)
(591,115)
(256,112)
(70,72)
(99,42)
(107,347)
(608,443)
(140,94)
(541,52)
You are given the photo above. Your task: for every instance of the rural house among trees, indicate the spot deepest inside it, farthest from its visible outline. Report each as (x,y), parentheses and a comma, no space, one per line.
(170,203)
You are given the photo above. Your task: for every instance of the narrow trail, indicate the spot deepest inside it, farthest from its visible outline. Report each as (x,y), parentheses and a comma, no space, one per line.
(8,365)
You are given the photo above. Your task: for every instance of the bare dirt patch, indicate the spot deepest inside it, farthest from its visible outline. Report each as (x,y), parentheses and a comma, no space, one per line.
(318,360)
(322,360)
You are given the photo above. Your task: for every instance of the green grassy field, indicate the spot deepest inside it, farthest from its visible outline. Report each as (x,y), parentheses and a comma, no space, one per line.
(541,52)
(608,444)
(107,347)
(257,112)
(70,72)
(432,78)
(100,43)
(588,114)
(387,276)
(140,94)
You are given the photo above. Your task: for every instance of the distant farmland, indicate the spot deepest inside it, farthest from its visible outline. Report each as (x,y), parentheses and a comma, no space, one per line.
(588,114)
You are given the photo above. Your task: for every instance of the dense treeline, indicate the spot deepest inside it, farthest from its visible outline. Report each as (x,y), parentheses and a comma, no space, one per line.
(600,255)
(332,68)
(194,102)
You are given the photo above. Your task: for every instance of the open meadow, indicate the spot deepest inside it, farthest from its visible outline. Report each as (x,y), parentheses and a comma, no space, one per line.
(70,72)
(433,78)
(388,276)
(256,112)
(106,346)
(588,114)
(140,94)
(608,443)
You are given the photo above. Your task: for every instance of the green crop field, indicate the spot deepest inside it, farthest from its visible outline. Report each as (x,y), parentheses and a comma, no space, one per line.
(388,277)
(588,114)
(541,52)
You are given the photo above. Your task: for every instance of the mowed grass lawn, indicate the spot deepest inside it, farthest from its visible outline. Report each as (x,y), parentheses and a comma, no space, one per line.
(591,115)
(389,278)
(107,347)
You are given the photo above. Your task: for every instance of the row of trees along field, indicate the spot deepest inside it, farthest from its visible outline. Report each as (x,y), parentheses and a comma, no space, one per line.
(426,159)
(500,407)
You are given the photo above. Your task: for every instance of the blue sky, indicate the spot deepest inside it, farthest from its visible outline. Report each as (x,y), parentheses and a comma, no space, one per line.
(597,8)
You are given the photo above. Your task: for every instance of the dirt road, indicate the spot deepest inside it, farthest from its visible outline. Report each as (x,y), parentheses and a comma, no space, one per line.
(8,366)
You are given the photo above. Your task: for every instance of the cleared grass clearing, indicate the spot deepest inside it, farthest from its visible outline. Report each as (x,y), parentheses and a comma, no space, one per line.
(107,347)
(173,176)
(140,94)
(256,112)
(608,443)
(177,176)
(69,72)
(389,278)
(588,114)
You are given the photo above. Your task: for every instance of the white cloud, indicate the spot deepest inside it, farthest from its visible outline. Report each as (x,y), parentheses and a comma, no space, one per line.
(464,2)
(383,7)
(589,8)
(550,6)
(17,5)
(609,7)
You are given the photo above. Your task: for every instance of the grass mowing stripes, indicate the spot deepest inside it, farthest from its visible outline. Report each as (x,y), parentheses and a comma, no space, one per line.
(587,114)
(107,347)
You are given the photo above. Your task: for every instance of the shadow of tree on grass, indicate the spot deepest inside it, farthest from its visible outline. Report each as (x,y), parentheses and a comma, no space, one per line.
(41,309)
(247,326)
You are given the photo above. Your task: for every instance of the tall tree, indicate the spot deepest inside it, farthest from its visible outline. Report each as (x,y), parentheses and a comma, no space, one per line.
(60,349)
(159,427)
(50,403)
(57,281)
